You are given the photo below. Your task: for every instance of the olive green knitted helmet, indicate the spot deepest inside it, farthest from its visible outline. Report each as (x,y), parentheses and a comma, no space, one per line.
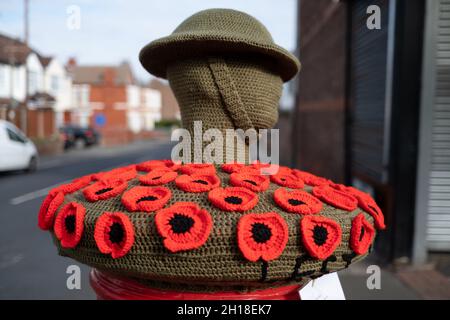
(218,32)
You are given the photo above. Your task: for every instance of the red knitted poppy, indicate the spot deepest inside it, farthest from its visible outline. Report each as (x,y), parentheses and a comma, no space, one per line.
(353,191)
(146,198)
(150,165)
(114,234)
(173,165)
(288,178)
(273,169)
(250,179)
(311,179)
(191,168)
(69,224)
(336,198)
(297,201)
(261,168)
(361,235)
(124,173)
(197,182)
(365,202)
(104,189)
(262,236)
(232,167)
(233,198)
(48,209)
(157,164)
(369,205)
(75,185)
(183,226)
(320,236)
(158,176)
(259,165)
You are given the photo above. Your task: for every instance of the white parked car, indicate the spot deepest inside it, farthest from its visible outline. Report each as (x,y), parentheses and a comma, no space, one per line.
(17,152)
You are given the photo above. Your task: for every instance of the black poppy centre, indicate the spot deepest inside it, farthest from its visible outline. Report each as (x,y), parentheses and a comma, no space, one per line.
(102,191)
(261,233)
(361,235)
(233,200)
(181,223)
(251,182)
(69,223)
(201,182)
(147,198)
(116,233)
(320,235)
(295,202)
(373,208)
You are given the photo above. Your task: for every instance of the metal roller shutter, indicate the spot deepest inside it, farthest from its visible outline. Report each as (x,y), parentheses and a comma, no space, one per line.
(368,92)
(438,226)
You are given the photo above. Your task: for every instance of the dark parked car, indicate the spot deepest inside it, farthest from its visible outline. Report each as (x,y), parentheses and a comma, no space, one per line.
(76,136)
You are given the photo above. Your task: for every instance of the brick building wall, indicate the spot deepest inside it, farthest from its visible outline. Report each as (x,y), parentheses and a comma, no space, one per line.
(170,109)
(111,99)
(320,107)
(68,117)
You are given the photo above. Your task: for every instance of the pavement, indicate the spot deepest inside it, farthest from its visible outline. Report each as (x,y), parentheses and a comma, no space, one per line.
(29,265)
(358,283)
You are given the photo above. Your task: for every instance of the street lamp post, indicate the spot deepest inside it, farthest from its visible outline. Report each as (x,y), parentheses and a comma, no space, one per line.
(24,111)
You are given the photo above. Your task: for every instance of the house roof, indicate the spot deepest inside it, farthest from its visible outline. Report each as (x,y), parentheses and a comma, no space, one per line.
(97,74)
(16,51)
(8,102)
(45,61)
(42,96)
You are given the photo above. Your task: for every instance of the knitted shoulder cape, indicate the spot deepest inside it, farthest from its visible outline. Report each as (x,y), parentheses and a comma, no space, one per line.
(211,226)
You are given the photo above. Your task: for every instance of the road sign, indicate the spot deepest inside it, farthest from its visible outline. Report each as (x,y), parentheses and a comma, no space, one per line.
(100,120)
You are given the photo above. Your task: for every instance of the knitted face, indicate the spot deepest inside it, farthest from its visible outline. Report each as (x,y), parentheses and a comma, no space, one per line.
(226,93)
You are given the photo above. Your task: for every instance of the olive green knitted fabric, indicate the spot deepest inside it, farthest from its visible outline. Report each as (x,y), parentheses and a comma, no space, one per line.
(227,93)
(218,263)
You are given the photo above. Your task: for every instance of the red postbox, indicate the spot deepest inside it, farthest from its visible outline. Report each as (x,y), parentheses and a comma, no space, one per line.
(111,287)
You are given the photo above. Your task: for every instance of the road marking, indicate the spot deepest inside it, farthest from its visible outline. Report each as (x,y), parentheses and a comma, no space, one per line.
(35,194)
(10,260)
(42,192)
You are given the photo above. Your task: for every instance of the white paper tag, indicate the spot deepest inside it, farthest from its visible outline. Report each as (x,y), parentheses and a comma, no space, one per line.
(327,287)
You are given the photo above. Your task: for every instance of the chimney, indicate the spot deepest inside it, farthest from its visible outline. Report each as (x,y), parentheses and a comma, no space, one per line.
(71,64)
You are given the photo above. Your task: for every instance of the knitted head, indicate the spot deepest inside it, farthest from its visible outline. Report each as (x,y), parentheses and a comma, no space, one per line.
(224,93)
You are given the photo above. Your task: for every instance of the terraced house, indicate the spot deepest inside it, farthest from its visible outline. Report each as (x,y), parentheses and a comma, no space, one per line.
(35,90)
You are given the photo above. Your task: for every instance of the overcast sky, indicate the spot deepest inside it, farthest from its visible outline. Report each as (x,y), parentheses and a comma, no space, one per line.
(115,30)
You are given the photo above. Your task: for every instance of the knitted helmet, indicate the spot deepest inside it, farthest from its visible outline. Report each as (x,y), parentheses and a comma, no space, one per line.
(217,31)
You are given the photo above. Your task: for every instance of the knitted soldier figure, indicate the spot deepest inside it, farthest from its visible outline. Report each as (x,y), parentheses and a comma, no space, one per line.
(213,227)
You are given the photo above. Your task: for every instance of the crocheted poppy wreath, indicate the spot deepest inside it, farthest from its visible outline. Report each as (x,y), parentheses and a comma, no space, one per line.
(210,227)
